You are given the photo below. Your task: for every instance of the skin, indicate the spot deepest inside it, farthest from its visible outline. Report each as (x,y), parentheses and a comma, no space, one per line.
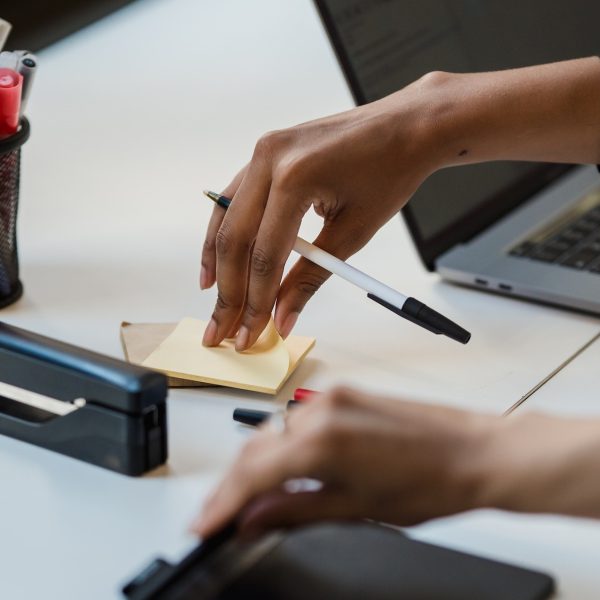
(403,463)
(442,120)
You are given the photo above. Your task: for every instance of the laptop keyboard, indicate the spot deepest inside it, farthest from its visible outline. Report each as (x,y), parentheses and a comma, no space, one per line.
(575,245)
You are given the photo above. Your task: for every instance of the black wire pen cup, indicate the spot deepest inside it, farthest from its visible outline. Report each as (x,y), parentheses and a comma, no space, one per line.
(11,288)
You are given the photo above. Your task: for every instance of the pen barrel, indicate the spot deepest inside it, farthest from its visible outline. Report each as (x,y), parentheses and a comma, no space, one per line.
(10,163)
(348,272)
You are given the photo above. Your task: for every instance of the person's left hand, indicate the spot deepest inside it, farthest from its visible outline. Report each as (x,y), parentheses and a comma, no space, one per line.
(374,457)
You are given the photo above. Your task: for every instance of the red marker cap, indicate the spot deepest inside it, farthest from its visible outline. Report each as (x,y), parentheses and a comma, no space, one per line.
(11,83)
(302,394)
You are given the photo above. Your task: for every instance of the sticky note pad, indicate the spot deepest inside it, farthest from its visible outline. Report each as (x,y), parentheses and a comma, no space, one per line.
(263,368)
(140,340)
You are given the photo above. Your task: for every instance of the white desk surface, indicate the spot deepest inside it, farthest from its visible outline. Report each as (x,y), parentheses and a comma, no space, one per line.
(131,118)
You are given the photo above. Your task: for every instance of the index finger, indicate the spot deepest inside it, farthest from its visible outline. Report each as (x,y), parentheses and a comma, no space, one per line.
(274,242)
(233,244)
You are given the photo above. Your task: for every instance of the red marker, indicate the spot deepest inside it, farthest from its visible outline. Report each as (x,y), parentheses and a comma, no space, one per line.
(302,394)
(11,83)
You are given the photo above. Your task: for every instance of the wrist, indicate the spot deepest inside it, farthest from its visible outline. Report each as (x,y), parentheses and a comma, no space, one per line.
(470,463)
(541,463)
(415,122)
(512,465)
(452,122)
(479,117)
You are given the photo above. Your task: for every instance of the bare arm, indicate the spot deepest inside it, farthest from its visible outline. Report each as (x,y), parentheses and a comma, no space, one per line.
(543,113)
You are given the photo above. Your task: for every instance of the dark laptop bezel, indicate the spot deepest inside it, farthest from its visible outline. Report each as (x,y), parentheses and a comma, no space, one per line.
(483,215)
(37,25)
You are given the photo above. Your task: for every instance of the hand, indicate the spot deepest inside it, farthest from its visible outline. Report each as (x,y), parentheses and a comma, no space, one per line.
(357,169)
(360,167)
(374,457)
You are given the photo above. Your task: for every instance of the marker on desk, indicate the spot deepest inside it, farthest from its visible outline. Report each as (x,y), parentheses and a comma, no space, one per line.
(10,101)
(405,306)
(302,394)
(27,68)
(254,418)
(5,28)
(247,416)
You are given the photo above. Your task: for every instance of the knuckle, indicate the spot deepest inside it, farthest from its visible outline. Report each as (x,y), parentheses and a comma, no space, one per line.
(261,263)
(252,311)
(309,284)
(209,244)
(269,143)
(290,172)
(226,243)
(330,209)
(224,303)
(223,242)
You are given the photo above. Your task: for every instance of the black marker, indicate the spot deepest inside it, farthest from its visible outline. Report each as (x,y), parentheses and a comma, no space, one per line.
(254,418)
(247,416)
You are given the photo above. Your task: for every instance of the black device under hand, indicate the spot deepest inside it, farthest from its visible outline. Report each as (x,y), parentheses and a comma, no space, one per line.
(334,561)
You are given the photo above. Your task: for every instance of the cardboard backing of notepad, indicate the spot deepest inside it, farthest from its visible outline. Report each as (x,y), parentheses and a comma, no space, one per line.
(176,350)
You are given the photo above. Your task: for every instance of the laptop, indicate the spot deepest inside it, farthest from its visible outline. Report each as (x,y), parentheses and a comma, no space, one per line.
(530,230)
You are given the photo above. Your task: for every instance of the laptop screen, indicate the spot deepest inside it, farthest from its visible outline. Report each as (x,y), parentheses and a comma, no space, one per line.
(383,45)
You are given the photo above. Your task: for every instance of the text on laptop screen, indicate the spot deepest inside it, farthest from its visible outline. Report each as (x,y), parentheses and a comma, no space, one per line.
(387,44)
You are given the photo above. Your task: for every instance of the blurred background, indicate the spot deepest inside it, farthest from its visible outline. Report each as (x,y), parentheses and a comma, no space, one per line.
(37,23)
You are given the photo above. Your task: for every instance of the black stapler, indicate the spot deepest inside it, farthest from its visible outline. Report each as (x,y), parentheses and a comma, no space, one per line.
(88,406)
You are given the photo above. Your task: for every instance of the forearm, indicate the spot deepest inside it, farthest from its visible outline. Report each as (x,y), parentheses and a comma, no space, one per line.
(539,463)
(543,113)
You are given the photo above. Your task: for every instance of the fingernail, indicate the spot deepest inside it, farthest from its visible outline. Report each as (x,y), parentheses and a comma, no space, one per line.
(203,278)
(241,341)
(288,324)
(210,334)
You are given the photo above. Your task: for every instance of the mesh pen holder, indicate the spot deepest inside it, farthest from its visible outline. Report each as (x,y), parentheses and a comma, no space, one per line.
(11,288)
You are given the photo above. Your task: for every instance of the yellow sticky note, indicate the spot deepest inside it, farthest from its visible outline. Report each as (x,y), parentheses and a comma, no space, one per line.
(263,368)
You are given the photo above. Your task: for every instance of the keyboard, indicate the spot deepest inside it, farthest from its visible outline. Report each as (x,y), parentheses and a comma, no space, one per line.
(574,244)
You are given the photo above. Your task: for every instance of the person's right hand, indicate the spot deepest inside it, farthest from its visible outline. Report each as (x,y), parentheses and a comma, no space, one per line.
(373,457)
(357,169)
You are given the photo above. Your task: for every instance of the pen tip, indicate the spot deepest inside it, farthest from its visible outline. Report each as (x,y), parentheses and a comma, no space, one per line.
(212,195)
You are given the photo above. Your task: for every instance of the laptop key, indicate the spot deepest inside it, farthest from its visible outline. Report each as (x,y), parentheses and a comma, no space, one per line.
(573,234)
(594,268)
(566,242)
(548,253)
(580,259)
(523,249)
(588,224)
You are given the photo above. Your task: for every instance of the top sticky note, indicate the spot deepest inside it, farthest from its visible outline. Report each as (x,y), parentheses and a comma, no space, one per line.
(263,368)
